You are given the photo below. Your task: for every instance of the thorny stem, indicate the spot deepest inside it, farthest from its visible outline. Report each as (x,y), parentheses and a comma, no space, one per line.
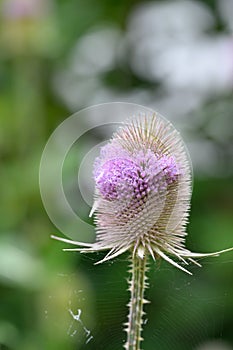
(137,285)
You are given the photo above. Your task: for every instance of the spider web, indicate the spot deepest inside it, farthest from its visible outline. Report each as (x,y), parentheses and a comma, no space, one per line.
(185,312)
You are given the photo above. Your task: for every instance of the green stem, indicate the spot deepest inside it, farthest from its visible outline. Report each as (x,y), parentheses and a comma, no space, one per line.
(137,285)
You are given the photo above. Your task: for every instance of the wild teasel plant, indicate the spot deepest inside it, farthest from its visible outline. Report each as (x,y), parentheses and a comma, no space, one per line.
(143,186)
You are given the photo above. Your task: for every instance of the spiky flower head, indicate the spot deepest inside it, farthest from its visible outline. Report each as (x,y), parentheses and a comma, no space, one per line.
(143,186)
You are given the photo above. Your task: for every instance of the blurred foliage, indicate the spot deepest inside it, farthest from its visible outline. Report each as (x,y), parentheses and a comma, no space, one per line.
(43,288)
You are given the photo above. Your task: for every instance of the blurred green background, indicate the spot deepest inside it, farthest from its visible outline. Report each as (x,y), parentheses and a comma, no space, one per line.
(57,57)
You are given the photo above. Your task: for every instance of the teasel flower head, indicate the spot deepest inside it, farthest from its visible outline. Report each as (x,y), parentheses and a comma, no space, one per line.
(143,186)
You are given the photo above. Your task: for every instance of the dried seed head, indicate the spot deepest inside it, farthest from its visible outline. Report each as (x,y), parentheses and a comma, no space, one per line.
(142,192)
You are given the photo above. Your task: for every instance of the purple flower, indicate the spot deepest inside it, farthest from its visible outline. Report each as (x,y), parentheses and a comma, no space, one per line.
(142,193)
(134,176)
